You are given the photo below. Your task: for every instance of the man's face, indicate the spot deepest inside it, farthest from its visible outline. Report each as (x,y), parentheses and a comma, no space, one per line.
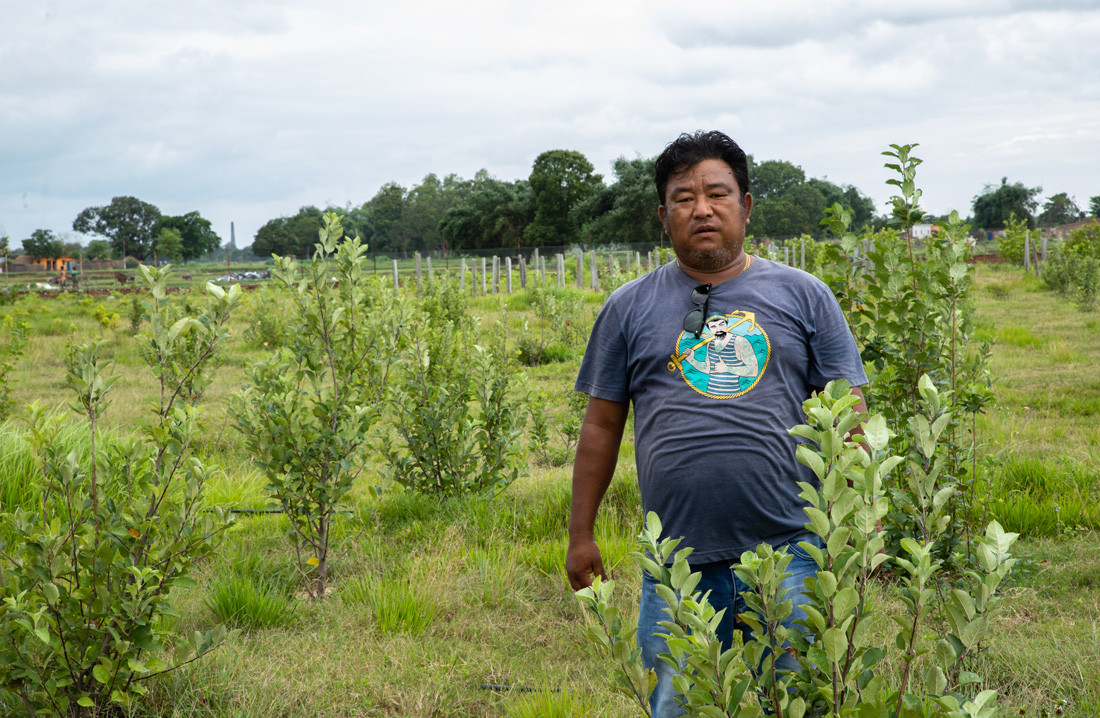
(704,216)
(717,326)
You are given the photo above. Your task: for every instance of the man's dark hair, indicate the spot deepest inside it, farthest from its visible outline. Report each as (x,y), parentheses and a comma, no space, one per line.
(689,149)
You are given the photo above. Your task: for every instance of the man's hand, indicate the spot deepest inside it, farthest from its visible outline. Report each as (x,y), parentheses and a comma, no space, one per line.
(582,562)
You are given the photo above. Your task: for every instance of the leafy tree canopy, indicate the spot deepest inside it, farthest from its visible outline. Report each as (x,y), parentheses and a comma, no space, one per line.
(492,213)
(1060,209)
(994,206)
(197,236)
(98,249)
(43,244)
(169,244)
(289,236)
(560,179)
(127,222)
(1094,206)
(787,204)
(625,211)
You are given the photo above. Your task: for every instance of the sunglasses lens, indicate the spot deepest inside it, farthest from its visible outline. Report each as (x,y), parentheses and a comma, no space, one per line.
(699,295)
(693,322)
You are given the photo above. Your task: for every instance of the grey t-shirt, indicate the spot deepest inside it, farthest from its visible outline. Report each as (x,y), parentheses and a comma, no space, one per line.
(711,414)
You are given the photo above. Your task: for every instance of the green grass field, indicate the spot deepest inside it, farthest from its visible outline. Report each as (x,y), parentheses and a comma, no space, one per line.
(461,608)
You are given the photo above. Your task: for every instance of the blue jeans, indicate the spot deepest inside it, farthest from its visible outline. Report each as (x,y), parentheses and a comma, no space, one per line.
(725,592)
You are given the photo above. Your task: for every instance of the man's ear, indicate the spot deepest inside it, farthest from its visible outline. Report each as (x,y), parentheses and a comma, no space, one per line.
(662,214)
(747,201)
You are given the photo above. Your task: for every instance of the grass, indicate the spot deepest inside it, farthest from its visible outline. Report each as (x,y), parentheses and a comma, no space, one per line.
(461,607)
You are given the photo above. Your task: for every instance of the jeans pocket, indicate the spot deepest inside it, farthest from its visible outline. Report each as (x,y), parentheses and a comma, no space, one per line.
(799,553)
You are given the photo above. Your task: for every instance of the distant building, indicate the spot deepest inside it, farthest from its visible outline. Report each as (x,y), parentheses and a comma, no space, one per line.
(924,231)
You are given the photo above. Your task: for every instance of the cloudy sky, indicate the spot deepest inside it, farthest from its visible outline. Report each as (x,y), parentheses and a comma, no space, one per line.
(245,110)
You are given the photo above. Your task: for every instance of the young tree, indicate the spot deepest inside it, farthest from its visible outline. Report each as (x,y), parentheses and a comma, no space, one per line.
(306,418)
(1094,206)
(127,222)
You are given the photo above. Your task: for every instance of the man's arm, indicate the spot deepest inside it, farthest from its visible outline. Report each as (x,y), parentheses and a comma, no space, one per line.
(597,453)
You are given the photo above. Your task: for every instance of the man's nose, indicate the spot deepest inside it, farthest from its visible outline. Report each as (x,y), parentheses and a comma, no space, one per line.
(702,207)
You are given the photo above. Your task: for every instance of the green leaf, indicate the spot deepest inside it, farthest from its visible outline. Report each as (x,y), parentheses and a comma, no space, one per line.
(835,644)
(876,433)
(101,674)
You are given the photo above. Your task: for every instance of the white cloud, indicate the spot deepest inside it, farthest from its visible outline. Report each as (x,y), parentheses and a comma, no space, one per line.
(246,110)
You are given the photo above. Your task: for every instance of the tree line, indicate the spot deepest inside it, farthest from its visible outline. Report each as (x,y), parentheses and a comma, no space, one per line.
(562,202)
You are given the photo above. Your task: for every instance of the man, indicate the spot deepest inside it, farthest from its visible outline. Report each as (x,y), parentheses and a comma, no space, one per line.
(717,466)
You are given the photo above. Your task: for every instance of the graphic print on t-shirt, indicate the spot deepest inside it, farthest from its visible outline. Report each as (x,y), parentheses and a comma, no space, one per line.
(728,358)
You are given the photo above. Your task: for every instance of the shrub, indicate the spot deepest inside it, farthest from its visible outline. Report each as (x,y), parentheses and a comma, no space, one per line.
(456,416)
(306,416)
(85,613)
(839,671)
(11,348)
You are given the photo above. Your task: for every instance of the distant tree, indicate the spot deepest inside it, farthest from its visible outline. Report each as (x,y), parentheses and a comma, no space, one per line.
(560,179)
(995,205)
(289,236)
(771,178)
(861,206)
(5,249)
(786,203)
(1060,209)
(169,244)
(43,244)
(625,211)
(127,222)
(97,249)
(493,213)
(424,207)
(197,236)
(385,211)
(1094,206)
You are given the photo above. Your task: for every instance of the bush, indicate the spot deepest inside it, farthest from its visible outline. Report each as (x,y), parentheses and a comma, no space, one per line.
(839,664)
(85,615)
(306,417)
(14,341)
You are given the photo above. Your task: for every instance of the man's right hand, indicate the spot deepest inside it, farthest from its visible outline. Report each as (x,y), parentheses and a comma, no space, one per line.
(582,562)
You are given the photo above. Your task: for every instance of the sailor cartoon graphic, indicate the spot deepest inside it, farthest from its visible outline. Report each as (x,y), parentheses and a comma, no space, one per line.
(727,360)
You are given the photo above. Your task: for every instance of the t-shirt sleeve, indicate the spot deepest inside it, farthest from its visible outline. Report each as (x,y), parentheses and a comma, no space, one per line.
(833,351)
(603,372)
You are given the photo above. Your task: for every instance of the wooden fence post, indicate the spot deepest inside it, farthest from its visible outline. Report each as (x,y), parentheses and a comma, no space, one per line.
(395,277)
(508,273)
(462,276)
(418,271)
(484,279)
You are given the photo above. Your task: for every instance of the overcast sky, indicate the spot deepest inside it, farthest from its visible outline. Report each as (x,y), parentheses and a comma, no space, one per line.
(245,110)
